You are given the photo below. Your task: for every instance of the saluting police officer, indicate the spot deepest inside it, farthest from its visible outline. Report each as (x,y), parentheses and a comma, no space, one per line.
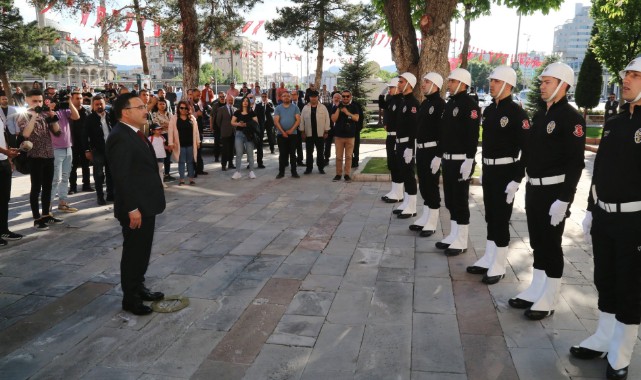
(459,131)
(406,117)
(614,221)
(389,122)
(427,136)
(554,161)
(505,127)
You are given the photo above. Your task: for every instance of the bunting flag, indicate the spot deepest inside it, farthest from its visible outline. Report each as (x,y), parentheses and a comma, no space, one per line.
(390,38)
(70,3)
(45,10)
(247,25)
(375,38)
(156,30)
(115,13)
(260,23)
(381,40)
(100,15)
(130,21)
(85,18)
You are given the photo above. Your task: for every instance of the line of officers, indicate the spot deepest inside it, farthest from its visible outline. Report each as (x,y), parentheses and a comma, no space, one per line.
(548,151)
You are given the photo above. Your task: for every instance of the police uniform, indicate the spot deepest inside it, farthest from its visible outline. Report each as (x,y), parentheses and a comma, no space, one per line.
(505,128)
(406,117)
(459,130)
(427,136)
(389,120)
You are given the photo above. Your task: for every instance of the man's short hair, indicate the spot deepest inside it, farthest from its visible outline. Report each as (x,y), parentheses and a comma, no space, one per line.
(34,92)
(75,92)
(143,90)
(122,102)
(2,93)
(97,97)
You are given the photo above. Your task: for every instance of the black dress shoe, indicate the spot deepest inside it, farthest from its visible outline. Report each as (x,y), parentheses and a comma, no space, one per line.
(300,163)
(261,166)
(280,175)
(426,233)
(148,295)
(102,201)
(295,175)
(454,251)
(397,212)
(586,353)
(405,216)
(321,171)
(232,166)
(519,303)
(110,198)
(618,374)
(473,269)
(537,315)
(88,189)
(440,245)
(308,171)
(224,169)
(137,308)
(71,192)
(491,280)
(391,200)
(202,173)
(416,227)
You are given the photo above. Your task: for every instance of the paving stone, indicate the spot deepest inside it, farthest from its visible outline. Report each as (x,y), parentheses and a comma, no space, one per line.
(350,307)
(301,325)
(333,265)
(244,287)
(244,341)
(391,303)
(431,265)
(385,352)
(487,357)
(418,375)
(279,291)
(218,277)
(321,283)
(436,344)
(359,278)
(278,362)
(256,242)
(336,349)
(433,295)
(311,303)
(474,309)
(537,363)
(396,275)
(100,372)
(302,257)
(285,243)
(340,246)
(395,261)
(521,332)
(297,272)
(324,375)
(222,315)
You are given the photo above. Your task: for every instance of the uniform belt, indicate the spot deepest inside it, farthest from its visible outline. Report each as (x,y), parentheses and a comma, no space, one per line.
(430,144)
(620,207)
(448,156)
(402,140)
(499,161)
(547,180)
(391,133)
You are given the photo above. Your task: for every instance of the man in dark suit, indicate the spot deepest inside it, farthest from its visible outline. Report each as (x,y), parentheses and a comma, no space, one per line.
(611,106)
(263,110)
(139,198)
(97,128)
(223,120)
(213,126)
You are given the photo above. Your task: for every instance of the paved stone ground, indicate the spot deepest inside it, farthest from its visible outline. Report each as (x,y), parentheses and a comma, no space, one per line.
(288,279)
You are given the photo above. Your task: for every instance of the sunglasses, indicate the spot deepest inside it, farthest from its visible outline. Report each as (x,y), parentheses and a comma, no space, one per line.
(346,96)
(183,108)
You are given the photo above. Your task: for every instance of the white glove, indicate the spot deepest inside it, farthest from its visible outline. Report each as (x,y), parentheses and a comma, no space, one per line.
(436,164)
(557,212)
(407,155)
(587,225)
(466,168)
(511,190)
(481,178)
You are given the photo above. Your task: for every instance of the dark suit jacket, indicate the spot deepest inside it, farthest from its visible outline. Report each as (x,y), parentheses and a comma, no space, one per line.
(134,171)
(94,138)
(223,120)
(264,112)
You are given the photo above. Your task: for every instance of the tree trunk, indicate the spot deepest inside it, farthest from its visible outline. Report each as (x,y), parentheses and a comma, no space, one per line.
(320,48)
(4,78)
(436,38)
(466,37)
(141,38)
(404,46)
(191,47)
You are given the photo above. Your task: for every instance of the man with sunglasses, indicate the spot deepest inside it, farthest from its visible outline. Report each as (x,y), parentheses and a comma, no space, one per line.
(345,118)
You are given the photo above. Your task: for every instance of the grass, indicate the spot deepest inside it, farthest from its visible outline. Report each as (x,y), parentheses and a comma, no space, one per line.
(378,165)
(373,133)
(593,132)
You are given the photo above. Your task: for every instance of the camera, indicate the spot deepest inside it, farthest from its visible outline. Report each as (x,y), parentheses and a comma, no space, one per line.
(341,106)
(42,109)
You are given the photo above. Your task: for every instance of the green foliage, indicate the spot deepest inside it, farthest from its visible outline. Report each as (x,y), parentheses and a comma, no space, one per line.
(19,45)
(353,74)
(618,37)
(480,71)
(209,74)
(236,78)
(588,87)
(534,101)
(386,76)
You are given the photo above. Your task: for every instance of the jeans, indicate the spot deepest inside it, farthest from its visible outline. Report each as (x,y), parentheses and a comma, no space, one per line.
(240,142)
(62,158)
(186,157)
(41,180)
(344,148)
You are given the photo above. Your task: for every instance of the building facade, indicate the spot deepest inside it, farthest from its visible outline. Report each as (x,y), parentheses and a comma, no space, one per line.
(164,61)
(571,39)
(247,60)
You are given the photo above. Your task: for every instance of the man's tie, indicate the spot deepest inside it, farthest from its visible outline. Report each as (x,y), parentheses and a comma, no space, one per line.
(229,109)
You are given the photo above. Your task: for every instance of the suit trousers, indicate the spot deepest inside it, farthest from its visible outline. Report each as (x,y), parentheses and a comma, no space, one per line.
(456,191)
(227,151)
(545,239)
(5,194)
(287,151)
(328,145)
(497,211)
(428,182)
(136,250)
(616,241)
(392,161)
(102,174)
(79,160)
(310,143)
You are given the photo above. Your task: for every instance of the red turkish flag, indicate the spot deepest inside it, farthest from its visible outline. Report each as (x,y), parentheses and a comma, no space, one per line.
(45,10)
(260,23)
(130,21)
(102,12)
(85,18)
(156,30)
(247,25)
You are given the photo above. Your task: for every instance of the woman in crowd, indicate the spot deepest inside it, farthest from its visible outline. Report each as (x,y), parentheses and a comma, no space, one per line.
(160,115)
(184,141)
(245,121)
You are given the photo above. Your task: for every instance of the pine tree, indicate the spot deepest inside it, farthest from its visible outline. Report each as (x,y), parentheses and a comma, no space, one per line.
(590,82)
(534,101)
(353,75)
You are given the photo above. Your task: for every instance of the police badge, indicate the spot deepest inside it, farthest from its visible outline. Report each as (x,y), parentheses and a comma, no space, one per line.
(606,133)
(551,126)
(404,109)
(637,136)
(455,112)
(431,110)
(504,121)
(394,107)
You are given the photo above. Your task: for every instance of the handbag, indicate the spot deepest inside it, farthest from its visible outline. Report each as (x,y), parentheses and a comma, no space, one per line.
(21,161)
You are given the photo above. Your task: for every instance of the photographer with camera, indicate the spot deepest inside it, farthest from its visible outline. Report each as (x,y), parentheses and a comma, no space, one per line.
(67,112)
(345,119)
(36,126)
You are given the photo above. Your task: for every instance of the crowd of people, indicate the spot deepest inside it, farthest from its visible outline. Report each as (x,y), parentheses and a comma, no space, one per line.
(441,138)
